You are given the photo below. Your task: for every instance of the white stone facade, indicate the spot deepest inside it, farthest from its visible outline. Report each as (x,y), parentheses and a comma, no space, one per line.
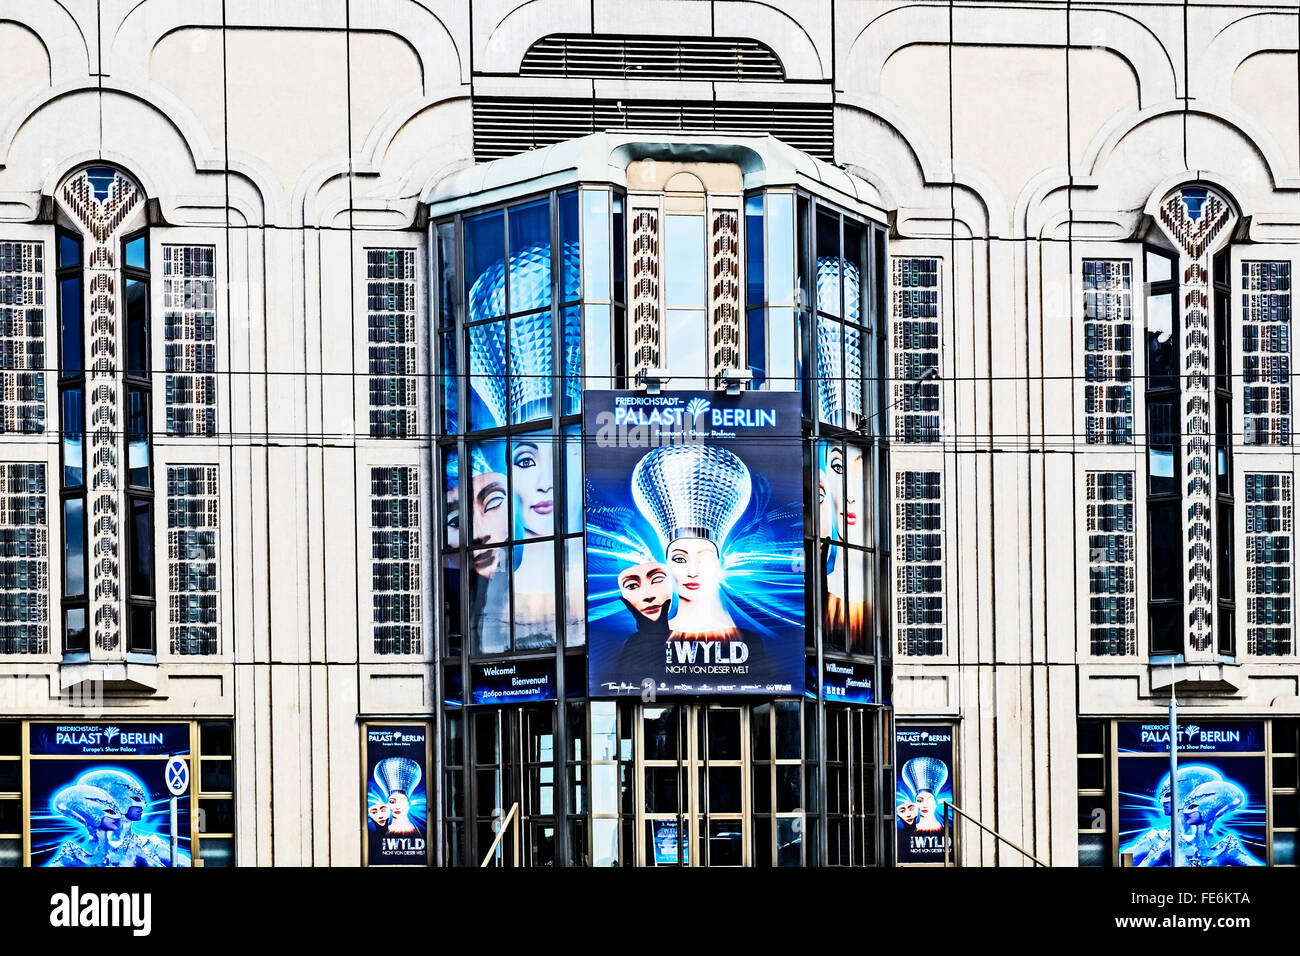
(1011,143)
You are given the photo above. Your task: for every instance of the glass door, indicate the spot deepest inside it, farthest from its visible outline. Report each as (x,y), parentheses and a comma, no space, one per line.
(851,781)
(514,761)
(694,765)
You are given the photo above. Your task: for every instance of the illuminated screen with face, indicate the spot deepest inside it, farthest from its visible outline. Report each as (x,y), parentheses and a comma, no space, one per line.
(694,519)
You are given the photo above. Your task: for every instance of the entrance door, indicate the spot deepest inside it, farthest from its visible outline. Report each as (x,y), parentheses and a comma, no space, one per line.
(514,753)
(694,766)
(851,785)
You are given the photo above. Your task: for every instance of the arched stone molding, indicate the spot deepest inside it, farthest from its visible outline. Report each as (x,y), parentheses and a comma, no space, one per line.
(1110,194)
(803,56)
(505,41)
(1236,43)
(178,166)
(396,170)
(930,202)
(869,47)
(67,41)
(437,32)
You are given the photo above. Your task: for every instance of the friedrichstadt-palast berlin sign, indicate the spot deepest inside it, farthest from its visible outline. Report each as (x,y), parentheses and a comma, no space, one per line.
(695,567)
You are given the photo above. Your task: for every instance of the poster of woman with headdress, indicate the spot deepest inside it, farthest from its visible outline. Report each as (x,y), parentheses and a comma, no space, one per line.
(397,804)
(924,758)
(694,543)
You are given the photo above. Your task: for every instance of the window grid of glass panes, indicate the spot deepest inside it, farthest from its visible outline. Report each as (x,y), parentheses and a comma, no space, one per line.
(1108,351)
(1093,775)
(1112,599)
(141,578)
(613,783)
(1285,823)
(453,787)
(11,793)
(391,318)
(395,557)
(771,347)
(193,506)
(914,317)
(838,358)
(918,562)
(846,479)
(528,304)
(215,793)
(190,339)
(1165,540)
(24,560)
(1268,564)
(22,337)
(778,813)
(1266,352)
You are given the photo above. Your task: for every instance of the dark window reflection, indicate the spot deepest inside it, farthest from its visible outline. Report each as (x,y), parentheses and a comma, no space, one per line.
(70,326)
(1166,542)
(74,548)
(137,328)
(142,570)
(1162,346)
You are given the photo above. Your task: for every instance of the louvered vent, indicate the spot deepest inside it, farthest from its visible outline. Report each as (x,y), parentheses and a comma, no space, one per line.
(652,58)
(504,126)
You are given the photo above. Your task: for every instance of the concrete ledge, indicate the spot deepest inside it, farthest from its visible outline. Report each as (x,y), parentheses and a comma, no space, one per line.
(113,677)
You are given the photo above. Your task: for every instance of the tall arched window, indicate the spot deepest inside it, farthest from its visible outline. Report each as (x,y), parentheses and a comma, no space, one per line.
(106,479)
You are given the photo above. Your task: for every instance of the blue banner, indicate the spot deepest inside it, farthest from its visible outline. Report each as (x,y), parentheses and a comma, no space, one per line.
(695,553)
(71,739)
(1194,736)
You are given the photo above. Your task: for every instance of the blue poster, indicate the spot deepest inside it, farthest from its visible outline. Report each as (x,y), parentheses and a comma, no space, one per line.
(924,758)
(695,567)
(666,844)
(104,801)
(1221,799)
(397,805)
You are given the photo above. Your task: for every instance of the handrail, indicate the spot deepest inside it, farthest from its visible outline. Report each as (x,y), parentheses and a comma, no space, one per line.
(512,815)
(947,844)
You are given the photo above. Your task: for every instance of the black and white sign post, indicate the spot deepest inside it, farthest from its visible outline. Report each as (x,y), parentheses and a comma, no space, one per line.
(178,780)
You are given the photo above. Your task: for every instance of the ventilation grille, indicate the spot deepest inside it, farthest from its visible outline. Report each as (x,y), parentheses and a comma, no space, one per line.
(652,58)
(504,126)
